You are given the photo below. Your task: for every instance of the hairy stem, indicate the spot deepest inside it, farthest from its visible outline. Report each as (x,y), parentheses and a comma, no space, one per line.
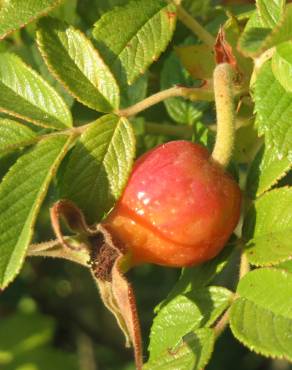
(54,249)
(187,92)
(195,27)
(223,90)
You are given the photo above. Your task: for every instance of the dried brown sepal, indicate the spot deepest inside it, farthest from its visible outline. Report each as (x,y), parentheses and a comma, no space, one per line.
(223,50)
(124,294)
(115,290)
(105,261)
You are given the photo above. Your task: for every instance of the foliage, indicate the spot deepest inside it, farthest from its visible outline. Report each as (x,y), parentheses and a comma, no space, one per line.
(80,83)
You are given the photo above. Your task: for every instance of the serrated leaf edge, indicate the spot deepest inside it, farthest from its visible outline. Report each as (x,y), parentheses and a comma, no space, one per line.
(275,182)
(245,343)
(155,56)
(19,144)
(41,14)
(64,84)
(48,87)
(265,45)
(119,121)
(5,282)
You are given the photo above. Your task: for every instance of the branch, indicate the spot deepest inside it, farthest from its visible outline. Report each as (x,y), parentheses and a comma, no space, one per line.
(224,320)
(244,265)
(194,94)
(195,27)
(222,323)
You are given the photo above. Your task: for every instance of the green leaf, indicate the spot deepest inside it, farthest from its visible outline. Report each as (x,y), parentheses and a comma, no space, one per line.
(179,109)
(253,35)
(197,59)
(198,8)
(282,65)
(286,265)
(193,278)
(131,37)
(186,313)
(261,330)
(97,8)
(270,289)
(270,11)
(66,12)
(268,227)
(42,68)
(22,191)
(246,143)
(258,36)
(99,166)
(262,317)
(73,60)
(273,105)
(15,14)
(14,135)
(193,352)
(266,170)
(233,30)
(132,94)
(24,94)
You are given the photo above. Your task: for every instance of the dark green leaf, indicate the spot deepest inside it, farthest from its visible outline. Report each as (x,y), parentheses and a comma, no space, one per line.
(180,109)
(22,191)
(258,36)
(193,278)
(99,165)
(14,135)
(131,37)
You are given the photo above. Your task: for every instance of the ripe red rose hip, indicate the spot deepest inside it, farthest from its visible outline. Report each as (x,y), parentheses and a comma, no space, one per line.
(179,207)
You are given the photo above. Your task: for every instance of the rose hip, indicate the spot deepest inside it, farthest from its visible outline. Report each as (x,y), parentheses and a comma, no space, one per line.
(179,207)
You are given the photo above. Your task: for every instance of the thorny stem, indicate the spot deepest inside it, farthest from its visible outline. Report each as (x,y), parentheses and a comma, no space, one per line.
(224,96)
(187,92)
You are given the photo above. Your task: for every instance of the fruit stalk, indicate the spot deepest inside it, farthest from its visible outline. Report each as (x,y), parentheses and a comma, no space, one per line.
(224,100)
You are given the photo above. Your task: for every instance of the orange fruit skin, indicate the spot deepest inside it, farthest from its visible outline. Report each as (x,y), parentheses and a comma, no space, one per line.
(178,209)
